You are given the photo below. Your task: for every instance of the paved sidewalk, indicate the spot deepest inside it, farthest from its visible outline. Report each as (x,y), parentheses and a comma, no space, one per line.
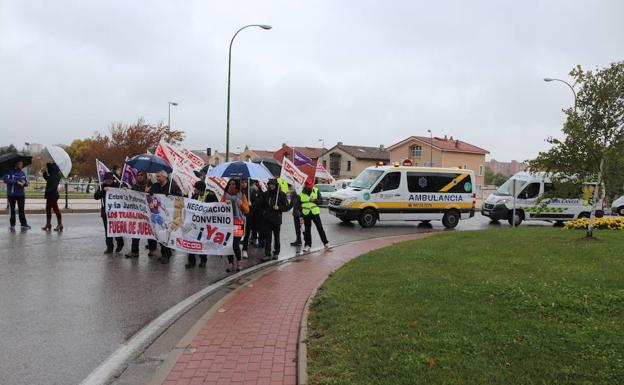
(253,337)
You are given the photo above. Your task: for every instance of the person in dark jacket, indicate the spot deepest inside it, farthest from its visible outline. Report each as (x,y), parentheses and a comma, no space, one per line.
(200,194)
(100,194)
(52,177)
(16,181)
(166,187)
(141,185)
(295,204)
(273,203)
(253,217)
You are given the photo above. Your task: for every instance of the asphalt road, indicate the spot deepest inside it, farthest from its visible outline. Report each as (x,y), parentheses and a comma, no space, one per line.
(65,306)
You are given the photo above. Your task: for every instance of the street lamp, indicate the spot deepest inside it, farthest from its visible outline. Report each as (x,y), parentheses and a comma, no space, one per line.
(322,141)
(169,116)
(566,83)
(227,130)
(430,149)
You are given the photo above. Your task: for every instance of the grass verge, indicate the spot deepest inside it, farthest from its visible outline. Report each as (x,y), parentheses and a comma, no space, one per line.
(507,306)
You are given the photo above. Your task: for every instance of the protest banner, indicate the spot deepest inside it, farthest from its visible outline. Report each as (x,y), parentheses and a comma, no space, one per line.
(128,177)
(184,163)
(101,170)
(322,173)
(216,185)
(292,175)
(127,214)
(192,226)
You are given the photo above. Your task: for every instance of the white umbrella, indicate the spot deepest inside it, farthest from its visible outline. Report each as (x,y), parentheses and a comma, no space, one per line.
(59,156)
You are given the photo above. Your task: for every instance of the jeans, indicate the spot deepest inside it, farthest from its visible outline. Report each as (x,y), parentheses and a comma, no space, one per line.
(20,208)
(307,234)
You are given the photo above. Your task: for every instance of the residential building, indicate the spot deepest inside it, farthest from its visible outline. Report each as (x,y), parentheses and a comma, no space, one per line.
(348,161)
(442,152)
(506,168)
(219,157)
(248,155)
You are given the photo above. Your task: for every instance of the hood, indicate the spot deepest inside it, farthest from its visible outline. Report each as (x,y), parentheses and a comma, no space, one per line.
(494,199)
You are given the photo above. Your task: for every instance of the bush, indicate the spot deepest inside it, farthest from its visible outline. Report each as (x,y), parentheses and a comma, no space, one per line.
(606,223)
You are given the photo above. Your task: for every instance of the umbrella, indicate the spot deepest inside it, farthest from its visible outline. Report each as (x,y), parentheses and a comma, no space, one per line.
(59,156)
(271,164)
(240,169)
(149,163)
(7,161)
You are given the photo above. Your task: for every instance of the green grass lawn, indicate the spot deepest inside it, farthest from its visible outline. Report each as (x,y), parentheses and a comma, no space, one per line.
(506,306)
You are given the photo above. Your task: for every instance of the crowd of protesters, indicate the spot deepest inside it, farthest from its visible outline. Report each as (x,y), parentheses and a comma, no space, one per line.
(257,214)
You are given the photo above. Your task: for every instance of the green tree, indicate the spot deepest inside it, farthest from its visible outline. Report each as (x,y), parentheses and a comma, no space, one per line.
(492,178)
(593,137)
(7,149)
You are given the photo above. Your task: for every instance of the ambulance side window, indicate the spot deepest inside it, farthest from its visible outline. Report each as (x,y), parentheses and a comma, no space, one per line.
(530,191)
(391,181)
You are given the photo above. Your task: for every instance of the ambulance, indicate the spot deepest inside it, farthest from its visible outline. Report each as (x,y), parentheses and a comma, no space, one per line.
(529,188)
(401,192)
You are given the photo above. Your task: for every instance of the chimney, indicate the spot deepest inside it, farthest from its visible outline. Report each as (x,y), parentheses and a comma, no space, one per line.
(381,147)
(445,137)
(283,144)
(209,151)
(340,143)
(451,138)
(456,143)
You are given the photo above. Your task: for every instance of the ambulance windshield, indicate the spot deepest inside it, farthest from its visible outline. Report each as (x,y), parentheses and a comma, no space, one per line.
(507,188)
(366,179)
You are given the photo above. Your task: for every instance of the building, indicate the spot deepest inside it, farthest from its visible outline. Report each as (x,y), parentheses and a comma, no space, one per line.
(219,157)
(442,152)
(506,168)
(311,152)
(248,155)
(347,161)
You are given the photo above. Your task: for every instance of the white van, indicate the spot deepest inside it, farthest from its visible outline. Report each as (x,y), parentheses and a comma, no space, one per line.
(404,193)
(529,187)
(617,207)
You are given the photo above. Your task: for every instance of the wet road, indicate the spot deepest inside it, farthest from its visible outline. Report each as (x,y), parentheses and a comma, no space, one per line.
(65,307)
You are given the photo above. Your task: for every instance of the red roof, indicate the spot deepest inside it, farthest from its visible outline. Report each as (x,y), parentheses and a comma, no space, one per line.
(445,144)
(311,152)
(264,153)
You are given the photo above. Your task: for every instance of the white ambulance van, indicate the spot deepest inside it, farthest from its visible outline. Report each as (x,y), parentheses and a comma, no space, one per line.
(405,193)
(529,187)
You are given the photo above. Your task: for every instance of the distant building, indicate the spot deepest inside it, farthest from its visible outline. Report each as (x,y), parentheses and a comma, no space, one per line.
(441,152)
(248,155)
(219,157)
(506,168)
(348,161)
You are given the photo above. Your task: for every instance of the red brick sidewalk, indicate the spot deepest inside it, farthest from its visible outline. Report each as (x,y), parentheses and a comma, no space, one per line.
(253,338)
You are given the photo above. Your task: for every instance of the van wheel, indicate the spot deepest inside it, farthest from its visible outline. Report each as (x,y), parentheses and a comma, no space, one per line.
(450,219)
(599,213)
(621,211)
(519,218)
(368,218)
(584,214)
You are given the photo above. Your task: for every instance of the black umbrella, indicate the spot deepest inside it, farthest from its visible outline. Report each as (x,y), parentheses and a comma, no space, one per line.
(273,165)
(7,161)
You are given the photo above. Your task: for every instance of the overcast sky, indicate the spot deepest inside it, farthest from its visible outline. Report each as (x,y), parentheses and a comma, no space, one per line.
(360,72)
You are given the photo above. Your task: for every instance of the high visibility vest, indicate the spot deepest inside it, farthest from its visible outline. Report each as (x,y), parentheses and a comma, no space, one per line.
(283,184)
(306,205)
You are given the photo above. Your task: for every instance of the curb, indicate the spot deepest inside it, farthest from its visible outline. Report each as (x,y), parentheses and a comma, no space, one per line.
(64,211)
(118,361)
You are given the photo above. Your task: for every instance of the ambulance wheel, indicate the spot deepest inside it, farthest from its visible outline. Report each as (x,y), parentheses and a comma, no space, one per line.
(519,218)
(368,218)
(621,211)
(451,219)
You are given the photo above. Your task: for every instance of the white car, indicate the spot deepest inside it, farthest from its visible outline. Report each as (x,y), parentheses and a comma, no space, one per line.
(617,207)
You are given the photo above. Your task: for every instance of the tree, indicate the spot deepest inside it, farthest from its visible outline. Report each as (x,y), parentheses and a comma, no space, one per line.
(81,153)
(492,178)
(7,149)
(593,142)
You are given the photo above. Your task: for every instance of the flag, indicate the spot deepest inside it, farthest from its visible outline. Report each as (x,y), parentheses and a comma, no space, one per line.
(129,174)
(292,175)
(322,173)
(301,160)
(101,170)
(216,185)
(184,164)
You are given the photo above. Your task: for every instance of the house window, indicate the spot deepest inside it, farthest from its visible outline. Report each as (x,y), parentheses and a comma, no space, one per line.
(334,163)
(348,165)
(481,170)
(325,164)
(415,152)
(216,161)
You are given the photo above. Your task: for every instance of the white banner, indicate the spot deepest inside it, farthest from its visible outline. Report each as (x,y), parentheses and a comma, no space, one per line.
(183,162)
(216,185)
(127,214)
(292,175)
(322,173)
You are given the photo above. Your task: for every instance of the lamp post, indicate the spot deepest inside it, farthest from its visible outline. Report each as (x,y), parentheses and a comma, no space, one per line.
(566,83)
(430,149)
(169,115)
(227,130)
(322,141)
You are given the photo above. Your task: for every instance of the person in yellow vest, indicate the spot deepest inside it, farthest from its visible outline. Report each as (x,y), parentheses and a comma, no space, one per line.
(310,197)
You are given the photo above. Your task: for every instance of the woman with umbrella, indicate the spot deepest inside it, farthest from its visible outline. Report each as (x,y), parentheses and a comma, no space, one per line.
(52,177)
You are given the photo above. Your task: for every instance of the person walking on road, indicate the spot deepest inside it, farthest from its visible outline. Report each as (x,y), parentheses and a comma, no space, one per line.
(273,203)
(16,181)
(100,194)
(252,218)
(200,194)
(240,207)
(295,204)
(52,177)
(309,197)
(163,186)
(141,185)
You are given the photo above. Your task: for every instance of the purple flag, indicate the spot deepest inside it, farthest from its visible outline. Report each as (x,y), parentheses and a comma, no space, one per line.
(301,159)
(129,174)
(101,170)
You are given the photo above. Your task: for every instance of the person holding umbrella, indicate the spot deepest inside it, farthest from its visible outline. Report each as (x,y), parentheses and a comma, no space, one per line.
(272,203)
(16,181)
(100,193)
(52,177)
